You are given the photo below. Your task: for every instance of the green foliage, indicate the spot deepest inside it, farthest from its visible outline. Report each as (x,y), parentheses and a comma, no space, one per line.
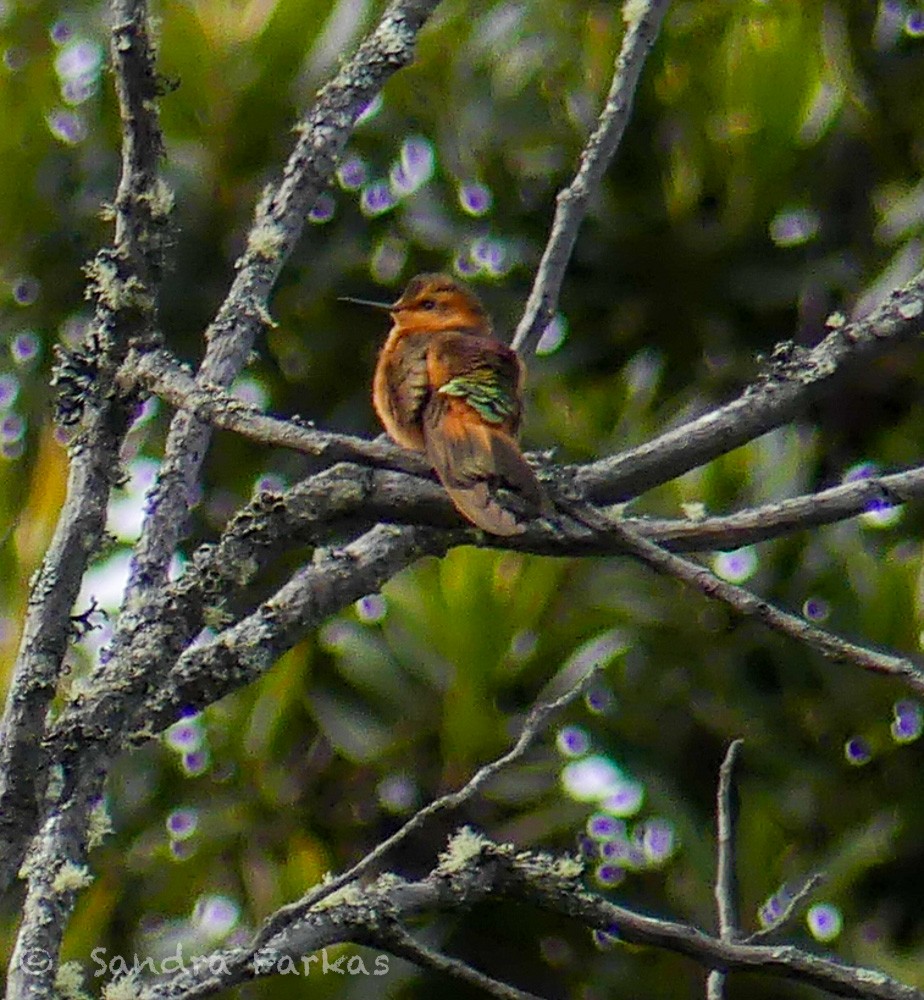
(770,175)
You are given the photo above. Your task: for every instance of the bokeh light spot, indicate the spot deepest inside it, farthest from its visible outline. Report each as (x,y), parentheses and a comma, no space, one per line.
(860,471)
(608,875)
(371,609)
(572,741)
(604,940)
(603,826)
(215,915)
(25,290)
(599,699)
(914,24)
(490,255)
(908,721)
(625,799)
(388,260)
(657,839)
(66,126)
(251,391)
(9,390)
(880,513)
(323,209)
(553,336)
(12,427)
(376,199)
(182,823)
(196,763)
(794,226)
(60,32)
(736,566)
(464,266)
(24,347)
(475,199)
(824,921)
(184,736)
(414,167)
(351,174)
(397,793)
(591,778)
(815,609)
(857,751)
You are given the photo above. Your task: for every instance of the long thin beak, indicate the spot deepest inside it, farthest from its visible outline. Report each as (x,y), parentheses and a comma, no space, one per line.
(387,306)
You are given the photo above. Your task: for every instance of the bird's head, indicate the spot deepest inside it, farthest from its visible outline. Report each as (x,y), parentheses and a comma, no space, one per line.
(435,302)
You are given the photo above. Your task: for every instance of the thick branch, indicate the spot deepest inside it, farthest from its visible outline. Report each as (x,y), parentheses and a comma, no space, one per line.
(796,378)
(280,218)
(123,315)
(477,872)
(417,501)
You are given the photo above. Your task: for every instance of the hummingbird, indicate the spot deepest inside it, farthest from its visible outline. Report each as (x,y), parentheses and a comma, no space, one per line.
(446,386)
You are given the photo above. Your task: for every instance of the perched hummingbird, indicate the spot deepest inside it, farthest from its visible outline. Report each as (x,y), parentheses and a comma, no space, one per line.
(446,386)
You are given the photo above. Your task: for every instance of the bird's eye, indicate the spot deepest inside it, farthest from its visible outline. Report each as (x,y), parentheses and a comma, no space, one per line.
(428,304)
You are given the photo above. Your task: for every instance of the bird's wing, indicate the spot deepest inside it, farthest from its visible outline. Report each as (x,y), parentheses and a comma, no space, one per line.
(483,373)
(470,424)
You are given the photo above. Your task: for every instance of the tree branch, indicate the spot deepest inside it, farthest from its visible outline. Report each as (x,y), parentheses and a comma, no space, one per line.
(748,605)
(726,879)
(474,871)
(123,280)
(280,218)
(540,715)
(396,939)
(796,377)
(643,21)
(159,372)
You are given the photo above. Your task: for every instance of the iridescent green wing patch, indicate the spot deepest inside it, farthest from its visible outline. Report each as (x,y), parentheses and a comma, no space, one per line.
(487,391)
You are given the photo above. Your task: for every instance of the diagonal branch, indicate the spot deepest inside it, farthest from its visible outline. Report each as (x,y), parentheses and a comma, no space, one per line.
(745,603)
(797,377)
(399,942)
(479,872)
(540,715)
(643,21)
(280,218)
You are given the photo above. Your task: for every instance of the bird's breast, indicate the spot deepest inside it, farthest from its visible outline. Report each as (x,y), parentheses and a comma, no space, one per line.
(400,388)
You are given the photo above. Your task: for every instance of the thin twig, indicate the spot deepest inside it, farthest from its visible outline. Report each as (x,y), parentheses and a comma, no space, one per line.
(396,939)
(747,604)
(535,723)
(643,20)
(726,879)
(793,904)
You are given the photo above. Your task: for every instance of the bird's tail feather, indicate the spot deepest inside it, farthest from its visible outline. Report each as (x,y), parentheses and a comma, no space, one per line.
(471,458)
